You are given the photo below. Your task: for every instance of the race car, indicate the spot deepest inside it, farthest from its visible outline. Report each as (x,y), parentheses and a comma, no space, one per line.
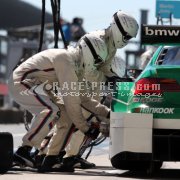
(145,116)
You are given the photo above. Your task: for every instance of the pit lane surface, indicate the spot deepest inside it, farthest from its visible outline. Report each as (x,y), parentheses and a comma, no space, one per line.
(99,156)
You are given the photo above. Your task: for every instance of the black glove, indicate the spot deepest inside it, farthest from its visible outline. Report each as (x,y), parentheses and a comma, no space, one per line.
(93,131)
(113,80)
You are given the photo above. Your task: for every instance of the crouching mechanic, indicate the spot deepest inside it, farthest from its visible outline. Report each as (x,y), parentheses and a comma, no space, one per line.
(122,28)
(67,67)
(146,56)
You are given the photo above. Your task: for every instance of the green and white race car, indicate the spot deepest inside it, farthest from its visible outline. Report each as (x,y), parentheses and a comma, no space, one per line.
(145,117)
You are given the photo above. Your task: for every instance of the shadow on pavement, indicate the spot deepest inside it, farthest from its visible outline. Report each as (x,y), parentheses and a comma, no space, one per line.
(165,174)
(97,171)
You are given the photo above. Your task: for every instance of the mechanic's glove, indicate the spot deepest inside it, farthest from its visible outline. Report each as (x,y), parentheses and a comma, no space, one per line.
(104,119)
(104,129)
(93,131)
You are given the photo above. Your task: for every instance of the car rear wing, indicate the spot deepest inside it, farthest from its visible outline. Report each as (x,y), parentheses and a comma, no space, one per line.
(160,35)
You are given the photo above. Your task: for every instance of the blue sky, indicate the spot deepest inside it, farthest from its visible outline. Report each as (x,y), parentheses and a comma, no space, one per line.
(97,14)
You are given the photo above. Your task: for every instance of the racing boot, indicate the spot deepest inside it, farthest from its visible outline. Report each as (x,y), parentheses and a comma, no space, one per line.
(49,163)
(38,160)
(77,162)
(83,163)
(22,157)
(53,163)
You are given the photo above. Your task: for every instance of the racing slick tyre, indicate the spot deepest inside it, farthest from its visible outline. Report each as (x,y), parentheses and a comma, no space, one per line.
(6,151)
(155,166)
(133,165)
(139,165)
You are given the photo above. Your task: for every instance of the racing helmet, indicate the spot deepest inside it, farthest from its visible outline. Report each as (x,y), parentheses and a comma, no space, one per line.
(123,27)
(94,50)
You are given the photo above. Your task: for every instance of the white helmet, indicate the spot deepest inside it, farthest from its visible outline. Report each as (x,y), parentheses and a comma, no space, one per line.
(123,27)
(115,68)
(94,50)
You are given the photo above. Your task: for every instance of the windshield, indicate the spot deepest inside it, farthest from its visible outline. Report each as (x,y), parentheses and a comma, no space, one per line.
(172,56)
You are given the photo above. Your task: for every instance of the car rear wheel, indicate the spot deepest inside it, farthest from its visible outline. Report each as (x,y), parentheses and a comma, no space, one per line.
(140,165)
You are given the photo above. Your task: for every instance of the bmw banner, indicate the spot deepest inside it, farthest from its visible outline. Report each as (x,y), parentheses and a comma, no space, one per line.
(160,34)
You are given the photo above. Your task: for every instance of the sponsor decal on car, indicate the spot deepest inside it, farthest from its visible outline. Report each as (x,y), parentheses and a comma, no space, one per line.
(146,100)
(157,110)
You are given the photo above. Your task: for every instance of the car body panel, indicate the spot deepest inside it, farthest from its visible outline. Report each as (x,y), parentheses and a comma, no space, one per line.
(162,105)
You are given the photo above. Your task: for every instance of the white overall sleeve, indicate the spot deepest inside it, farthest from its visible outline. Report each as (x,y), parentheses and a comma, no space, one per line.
(66,75)
(94,106)
(92,74)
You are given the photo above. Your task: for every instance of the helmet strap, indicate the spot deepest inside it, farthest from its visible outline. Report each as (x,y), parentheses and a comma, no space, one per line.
(97,58)
(121,29)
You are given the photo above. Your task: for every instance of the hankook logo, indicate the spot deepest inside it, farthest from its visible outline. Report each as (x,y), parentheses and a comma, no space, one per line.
(161,32)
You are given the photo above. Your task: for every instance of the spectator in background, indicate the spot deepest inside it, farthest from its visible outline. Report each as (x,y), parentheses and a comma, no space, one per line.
(73,31)
(146,56)
(67,32)
(77,31)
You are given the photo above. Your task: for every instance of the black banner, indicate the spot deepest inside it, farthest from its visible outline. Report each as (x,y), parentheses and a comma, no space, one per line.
(162,35)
